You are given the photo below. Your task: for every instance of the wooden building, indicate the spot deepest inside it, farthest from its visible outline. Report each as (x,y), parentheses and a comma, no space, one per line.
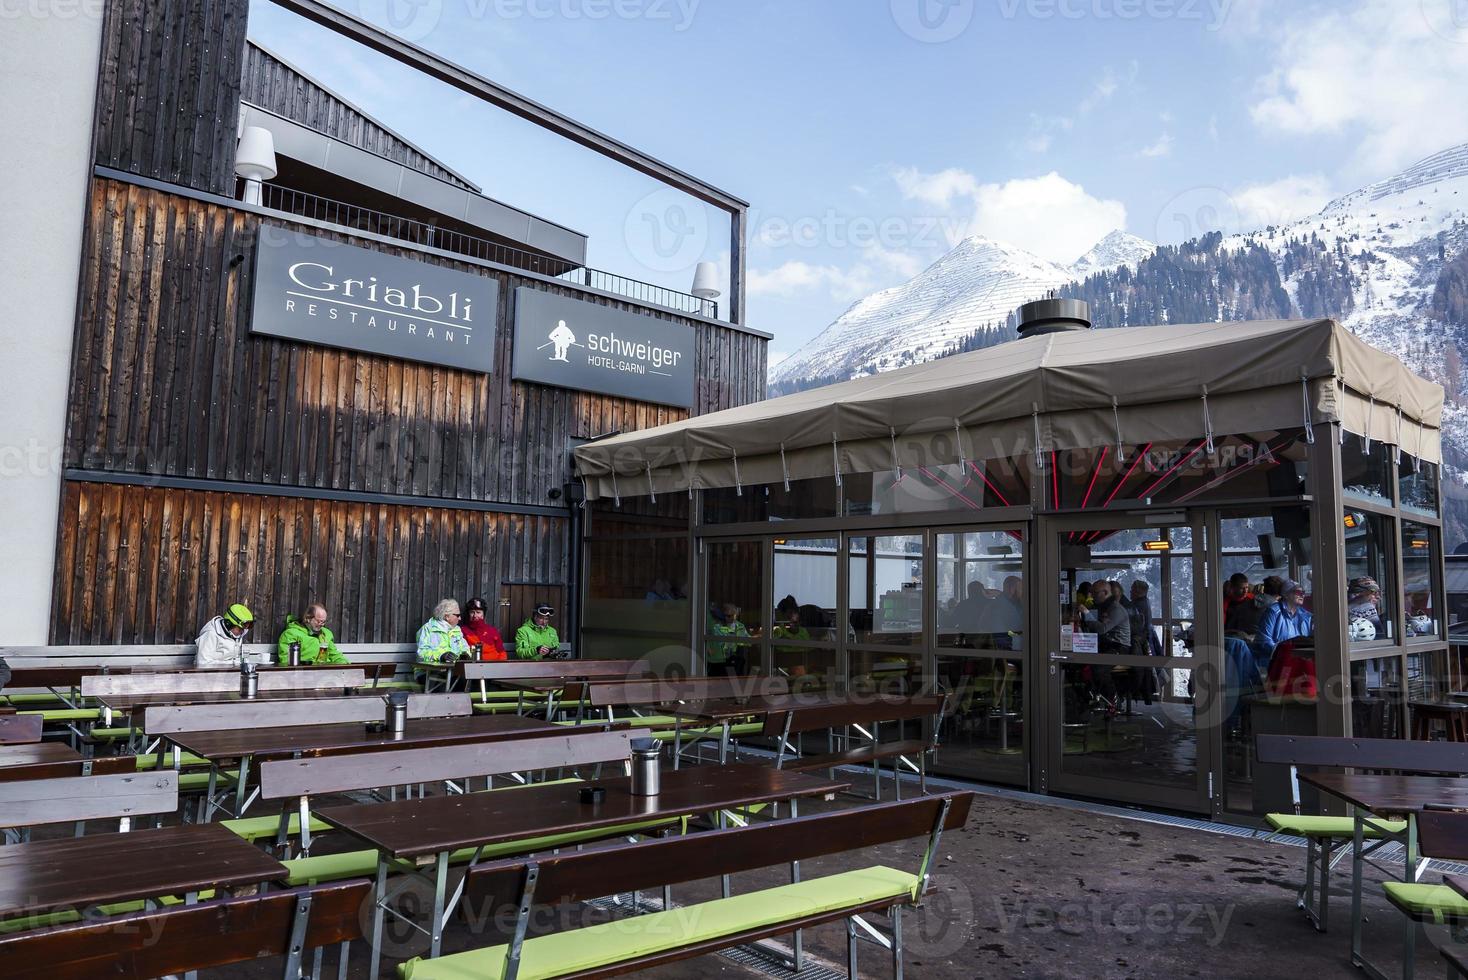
(205,462)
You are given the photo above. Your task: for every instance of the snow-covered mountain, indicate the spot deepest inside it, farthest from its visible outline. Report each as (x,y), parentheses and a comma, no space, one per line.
(1389,260)
(974,287)
(1116,249)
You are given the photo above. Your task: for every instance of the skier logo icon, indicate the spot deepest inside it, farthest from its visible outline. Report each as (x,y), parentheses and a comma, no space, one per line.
(562,338)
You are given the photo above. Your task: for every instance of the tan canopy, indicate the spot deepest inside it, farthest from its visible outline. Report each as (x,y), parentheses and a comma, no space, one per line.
(1058,391)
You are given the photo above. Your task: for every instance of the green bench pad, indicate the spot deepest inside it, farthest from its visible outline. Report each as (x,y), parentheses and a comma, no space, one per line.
(748,728)
(254,829)
(47,919)
(165,759)
(1430,903)
(47,698)
(66,714)
(359,864)
(109,734)
(188,782)
(1310,825)
(578,950)
(496,708)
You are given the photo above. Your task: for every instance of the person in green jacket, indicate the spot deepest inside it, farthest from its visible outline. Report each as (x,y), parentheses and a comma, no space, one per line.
(318,646)
(536,638)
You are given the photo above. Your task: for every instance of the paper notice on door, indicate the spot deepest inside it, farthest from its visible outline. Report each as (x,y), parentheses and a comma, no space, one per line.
(1083,642)
(1065,638)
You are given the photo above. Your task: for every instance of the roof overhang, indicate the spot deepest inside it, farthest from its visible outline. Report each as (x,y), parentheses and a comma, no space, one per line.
(1059,391)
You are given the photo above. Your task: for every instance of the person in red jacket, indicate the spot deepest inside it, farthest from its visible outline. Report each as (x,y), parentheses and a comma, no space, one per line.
(478,631)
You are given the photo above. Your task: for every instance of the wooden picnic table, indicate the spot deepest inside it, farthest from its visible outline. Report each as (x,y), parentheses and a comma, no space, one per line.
(20,729)
(426,831)
(251,745)
(78,872)
(136,706)
(1379,796)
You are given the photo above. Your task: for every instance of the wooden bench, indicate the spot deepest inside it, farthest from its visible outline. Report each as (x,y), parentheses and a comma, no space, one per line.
(77,799)
(607,696)
(184,938)
(204,681)
(302,777)
(680,933)
(487,672)
(859,713)
(100,766)
(1324,833)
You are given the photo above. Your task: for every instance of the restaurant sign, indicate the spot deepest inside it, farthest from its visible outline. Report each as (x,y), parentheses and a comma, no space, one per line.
(571,343)
(322,291)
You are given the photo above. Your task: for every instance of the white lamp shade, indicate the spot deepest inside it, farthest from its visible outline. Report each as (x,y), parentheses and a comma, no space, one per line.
(255,158)
(706,281)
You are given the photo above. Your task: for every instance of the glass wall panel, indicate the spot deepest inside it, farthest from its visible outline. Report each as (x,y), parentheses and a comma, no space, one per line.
(1365,469)
(1417,483)
(886,589)
(804,589)
(734,620)
(804,499)
(980,597)
(1373,604)
(1420,588)
(1377,698)
(636,602)
(965,488)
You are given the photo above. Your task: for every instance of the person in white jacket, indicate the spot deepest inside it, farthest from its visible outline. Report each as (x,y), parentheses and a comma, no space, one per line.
(221,642)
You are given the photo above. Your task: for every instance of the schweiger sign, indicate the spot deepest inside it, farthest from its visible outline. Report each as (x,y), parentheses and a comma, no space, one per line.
(574,344)
(327,292)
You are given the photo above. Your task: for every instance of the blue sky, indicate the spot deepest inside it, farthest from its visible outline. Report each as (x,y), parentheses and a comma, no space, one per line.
(871,135)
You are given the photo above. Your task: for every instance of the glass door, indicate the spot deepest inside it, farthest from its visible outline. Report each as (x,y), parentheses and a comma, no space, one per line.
(979,646)
(1126,661)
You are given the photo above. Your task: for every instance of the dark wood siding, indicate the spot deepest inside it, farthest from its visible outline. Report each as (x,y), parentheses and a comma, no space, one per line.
(168,380)
(150,565)
(168,89)
(271,84)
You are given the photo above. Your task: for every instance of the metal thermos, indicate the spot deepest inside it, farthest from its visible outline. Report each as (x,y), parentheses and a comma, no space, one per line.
(249,680)
(295,654)
(397,713)
(476,651)
(646,757)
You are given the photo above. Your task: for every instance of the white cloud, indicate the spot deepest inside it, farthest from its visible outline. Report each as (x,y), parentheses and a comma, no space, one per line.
(1047,215)
(1043,129)
(1280,201)
(1387,73)
(1160,147)
(938,189)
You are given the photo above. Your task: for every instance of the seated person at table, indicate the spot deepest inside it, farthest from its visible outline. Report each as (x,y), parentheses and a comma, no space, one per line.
(1002,618)
(726,658)
(480,633)
(221,642)
(536,638)
(318,646)
(440,640)
(1284,620)
(1113,622)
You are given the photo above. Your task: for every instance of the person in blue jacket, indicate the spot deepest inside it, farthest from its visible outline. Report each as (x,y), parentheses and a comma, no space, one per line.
(1285,620)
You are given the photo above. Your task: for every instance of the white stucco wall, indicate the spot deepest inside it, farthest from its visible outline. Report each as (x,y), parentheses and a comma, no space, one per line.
(48,76)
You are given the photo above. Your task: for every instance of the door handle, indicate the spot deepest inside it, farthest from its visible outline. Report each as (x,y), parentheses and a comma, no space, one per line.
(1058,656)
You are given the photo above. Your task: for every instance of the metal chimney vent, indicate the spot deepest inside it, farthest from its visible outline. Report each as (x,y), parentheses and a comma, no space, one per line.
(1052,315)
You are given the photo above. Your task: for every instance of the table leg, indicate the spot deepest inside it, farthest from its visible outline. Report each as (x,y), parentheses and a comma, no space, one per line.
(379,896)
(440,884)
(209,791)
(677,742)
(1357,833)
(191,898)
(239,792)
(798,942)
(724,743)
(1409,939)
(305,809)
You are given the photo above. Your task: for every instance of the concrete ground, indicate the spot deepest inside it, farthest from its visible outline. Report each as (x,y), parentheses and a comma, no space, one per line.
(1037,890)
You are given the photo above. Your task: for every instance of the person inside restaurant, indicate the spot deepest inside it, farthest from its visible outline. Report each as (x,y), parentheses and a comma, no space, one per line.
(440,640)
(536,638)
(309,631)
(1363,612)
(726,658)
(484,639)
(221,642)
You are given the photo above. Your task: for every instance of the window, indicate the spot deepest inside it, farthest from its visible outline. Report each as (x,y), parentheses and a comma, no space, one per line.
(734,618)
(886,589)
(1365,469)
(1417,482)
(1376,698)
(1371,598)
(924,489)
(804,592)
(1420,562)
(636,602)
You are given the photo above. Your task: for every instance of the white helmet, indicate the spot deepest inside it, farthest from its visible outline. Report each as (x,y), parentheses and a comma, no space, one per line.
(1361,630)
(1420,625)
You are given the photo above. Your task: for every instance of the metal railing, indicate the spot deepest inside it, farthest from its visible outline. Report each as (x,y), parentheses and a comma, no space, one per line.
(324,209)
